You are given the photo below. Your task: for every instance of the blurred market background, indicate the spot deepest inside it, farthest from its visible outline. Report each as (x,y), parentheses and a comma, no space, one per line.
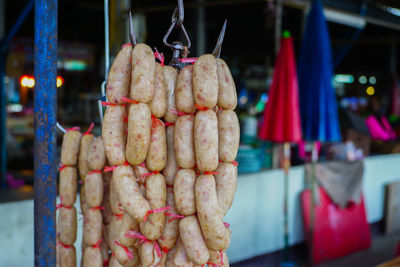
(364,37)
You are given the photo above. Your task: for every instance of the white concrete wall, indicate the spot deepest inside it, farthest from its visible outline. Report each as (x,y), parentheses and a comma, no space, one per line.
(255,217)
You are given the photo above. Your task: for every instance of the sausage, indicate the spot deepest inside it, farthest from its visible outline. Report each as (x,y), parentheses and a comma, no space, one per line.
(180,258)
(119,77)
(94,189)
(129,193)
(184,191)
(82,200)
(227,98)
(184,100)
(157,154)
(183,142)
(115,203)
(156,194)
(193,241)
(67,225)
(228,135)
(138,140)
(206,140)
(113,133)
(107,213)
(96,155)
(92,226)
(114,262)
(92,257)
(170,75)
(67,256)
(170,234)
(139,172)
(128,224)
(123,257)
(83,162)
(217,237)
(215,258)
(170,255)
(171,166)
(68,186)
(70,147)
(205,81)
(113,232)
(148,255)
(143,73)
(226,181)
(158,105)
(104,245)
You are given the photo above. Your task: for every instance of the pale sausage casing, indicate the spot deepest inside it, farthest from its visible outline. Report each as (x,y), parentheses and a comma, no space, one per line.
(94,189)
(184,100)
(170,75)
(206,140)
(183,142)
(157,153)
(158,105)
(227,98)
(129,193)
(171,166)
(115,203)
(128,224)
(205,81)
(119,77)
(92,226)
(226,181)
(170,235)
(96,155)
(139,125)
(228,135)
(123,257)
(67,256)
(180,259)
(68,185)
(140,172)
(70,147)
(113,133)
(83,162)
(193,241)
(215,257)
(92,257)
(67,225)
(113,232)
(216,235)
(143,73)
(184,191)
(156,194)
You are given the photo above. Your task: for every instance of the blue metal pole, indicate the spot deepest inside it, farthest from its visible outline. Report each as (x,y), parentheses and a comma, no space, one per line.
(3,96)
(45,107)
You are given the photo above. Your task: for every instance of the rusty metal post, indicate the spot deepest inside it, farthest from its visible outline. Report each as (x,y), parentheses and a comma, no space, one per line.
(45,107)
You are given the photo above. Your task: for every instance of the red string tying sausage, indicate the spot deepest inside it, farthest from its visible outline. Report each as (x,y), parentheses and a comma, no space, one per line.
(97,208)
(222,257)
(125,120)
(76,128)
(59,206)
(164,249)
(128,100)
(95,171)
(169,124)
(173,216)
(62,166)
(147,174)
(128,252)
(155,211)
(211,173)
(136,235)
(97,245)
(180,113)
(111,168)
(159,56)
(170,186)
(227,225)
(143,164)
(234,163)
(118,215)
(157,249)
(125,45)
(90,129)
(201,107)
(191,60)
(106,262)
(63,245)
(105,104)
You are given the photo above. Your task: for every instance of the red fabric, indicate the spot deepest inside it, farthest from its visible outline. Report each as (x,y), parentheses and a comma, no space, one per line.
(337,232)
(281,115)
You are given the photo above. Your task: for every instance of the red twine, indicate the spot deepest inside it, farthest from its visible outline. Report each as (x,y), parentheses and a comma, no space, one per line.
(227,225)
(106,262)
(97,208)
(157,249)
(155,211)
(64,245)
(201,107)
(76,128)
(59,206)
(222,257)
(191,60)
(95,171)
(136,235)
(90,129)
(105,104)
(147,174)
(119,216)
(180,113)
(97,245)
(128,100)
(165,249)
(211,173)
(62,166)
(174,216)
(168,123)
(125,45)
(170,186)
(125,119)
(128,252)
(111,168)
(159,56)
(142,165)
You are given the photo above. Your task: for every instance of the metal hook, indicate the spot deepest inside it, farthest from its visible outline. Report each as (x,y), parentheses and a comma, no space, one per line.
(174,46)
(180,15)
(132,36)
(217,50)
